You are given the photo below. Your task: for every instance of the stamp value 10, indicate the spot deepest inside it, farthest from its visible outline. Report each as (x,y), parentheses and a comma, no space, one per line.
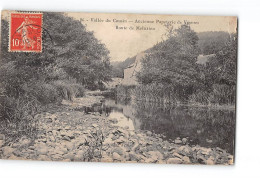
(25,33)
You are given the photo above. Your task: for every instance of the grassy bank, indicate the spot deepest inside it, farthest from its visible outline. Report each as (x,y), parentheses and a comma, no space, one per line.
(218,98)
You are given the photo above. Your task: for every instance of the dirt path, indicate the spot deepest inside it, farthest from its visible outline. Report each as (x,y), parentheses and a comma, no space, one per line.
(72,135)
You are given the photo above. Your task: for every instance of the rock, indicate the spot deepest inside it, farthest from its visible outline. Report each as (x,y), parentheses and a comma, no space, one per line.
(133,157)
(149,133)
(2,137)
(50,117)
(113,120)
(69,156)
(80,141)
(60,150)
(13,157)
(186,160)
(118,150)
(184,141)
(108,141)
(52,139)
(42,151)
(210,161)
(175,154)
(1,143)
(25,141)
(201,159)
(63,133)
(66,138)
(205,151)
(69,145)
(79,156)
(120,140)
(43,158)
(115,137)
(177,141)
(116,156)
(209,140)
(56,157)
(155,155)
(7,151)
(66,160)
(174,161)
(185,150)
(131,133)
(31,147)
(95,125)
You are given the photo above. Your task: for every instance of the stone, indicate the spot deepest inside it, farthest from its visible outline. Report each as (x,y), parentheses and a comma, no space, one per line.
(69,156)
(69,145)
(80,141)
(175,154)
(116,156)
(13,157)
(185,150)
(49,120)
(66,160)
(66,138)
(1,143)
(133,157)
(177,141)
(205,151)
(42,151)
(7,151)
(120,140)
(210,161)
(201,159)
(95,125)
(25,141)
(155,155)
(174,161)
(113,120)
(108,141)
(52,139)
(186,160)
(184,141)
(43,158)
(118,150)
(63,133)
(2,137)
(149,133)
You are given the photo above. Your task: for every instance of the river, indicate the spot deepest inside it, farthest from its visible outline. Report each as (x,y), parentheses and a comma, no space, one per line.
(200,126)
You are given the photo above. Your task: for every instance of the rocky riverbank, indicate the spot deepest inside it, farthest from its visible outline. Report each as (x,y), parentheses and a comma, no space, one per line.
(72,135)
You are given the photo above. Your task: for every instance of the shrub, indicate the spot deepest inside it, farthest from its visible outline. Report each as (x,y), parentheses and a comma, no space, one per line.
(17,117)
(68,89)
(44,93)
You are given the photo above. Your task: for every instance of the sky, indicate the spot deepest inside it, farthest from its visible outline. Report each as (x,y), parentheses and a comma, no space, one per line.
(133,39)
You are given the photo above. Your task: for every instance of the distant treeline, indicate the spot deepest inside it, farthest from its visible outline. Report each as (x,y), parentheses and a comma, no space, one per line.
(208,43)
(170,73)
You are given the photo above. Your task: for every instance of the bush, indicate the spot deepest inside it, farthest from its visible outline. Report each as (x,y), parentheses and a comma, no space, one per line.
(45,93)
(17,117)
(68,89)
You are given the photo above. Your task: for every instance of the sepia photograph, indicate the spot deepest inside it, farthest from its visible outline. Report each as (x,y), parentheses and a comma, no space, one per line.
(115,87)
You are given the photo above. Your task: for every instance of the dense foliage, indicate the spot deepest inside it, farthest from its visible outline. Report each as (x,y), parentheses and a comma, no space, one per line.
(212,42)
(72,59)
(170,73)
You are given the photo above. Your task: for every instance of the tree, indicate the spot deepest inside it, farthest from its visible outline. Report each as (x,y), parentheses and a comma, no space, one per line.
(172,62)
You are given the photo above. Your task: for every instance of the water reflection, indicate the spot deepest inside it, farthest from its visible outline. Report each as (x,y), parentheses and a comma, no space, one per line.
(202,126)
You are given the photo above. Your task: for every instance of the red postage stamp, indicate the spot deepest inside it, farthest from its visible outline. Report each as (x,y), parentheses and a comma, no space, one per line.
(25,32)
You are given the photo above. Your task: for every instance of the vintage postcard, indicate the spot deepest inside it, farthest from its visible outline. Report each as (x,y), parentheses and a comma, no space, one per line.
(100,87)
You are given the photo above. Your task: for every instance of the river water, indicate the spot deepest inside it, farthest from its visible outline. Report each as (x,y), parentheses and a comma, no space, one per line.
(201,126)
